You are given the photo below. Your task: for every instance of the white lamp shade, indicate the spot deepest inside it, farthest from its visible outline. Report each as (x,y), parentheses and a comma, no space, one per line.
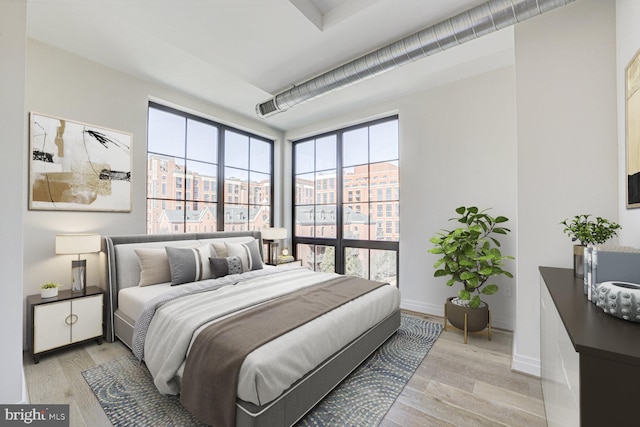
(77,244)
(274,233)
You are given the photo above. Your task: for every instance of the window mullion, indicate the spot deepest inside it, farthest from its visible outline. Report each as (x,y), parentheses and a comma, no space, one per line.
(339,251)
(221,175)
(184,183)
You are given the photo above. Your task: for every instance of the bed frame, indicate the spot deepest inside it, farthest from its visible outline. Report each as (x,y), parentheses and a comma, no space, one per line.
(293,404)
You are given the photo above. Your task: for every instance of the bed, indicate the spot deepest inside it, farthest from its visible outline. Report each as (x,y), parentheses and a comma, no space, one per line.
(279,380)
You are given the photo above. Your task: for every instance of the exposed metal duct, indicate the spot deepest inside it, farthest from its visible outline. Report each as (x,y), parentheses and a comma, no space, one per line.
(471,24)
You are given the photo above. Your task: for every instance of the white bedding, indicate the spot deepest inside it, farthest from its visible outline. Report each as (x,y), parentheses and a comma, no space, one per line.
(274,367)
(131,301)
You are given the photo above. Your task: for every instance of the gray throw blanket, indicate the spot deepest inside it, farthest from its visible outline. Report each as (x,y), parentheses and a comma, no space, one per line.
(210,379)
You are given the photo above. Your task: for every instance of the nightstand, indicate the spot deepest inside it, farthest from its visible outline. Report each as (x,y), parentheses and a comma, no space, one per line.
(289,262)
(60,321)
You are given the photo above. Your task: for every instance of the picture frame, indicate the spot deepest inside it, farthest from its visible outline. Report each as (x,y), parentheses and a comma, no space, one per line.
(632,131)
(76,166)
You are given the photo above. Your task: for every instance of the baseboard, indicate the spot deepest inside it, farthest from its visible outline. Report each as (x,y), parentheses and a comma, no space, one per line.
(25,390)
(421,307)
(497,322)
(525,365)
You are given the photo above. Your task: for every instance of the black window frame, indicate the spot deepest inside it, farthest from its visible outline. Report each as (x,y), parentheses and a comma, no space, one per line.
(339,242)
(220,172)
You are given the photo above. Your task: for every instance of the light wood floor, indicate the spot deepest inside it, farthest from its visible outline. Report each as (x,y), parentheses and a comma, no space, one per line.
(456,384)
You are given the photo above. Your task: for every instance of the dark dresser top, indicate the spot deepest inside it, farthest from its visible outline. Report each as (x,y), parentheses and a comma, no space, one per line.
(591,331)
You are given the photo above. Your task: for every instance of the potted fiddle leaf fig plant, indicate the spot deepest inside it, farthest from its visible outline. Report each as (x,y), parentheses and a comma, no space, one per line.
(587,231)
(470,255)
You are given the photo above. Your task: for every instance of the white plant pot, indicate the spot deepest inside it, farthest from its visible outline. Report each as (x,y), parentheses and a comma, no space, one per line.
(49,292)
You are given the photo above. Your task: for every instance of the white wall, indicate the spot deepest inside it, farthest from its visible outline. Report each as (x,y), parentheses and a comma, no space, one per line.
(64,85)
(457,147)
(627,44)
(12,132)
(567,145)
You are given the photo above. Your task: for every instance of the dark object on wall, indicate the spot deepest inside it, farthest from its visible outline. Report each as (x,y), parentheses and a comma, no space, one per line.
(633,190)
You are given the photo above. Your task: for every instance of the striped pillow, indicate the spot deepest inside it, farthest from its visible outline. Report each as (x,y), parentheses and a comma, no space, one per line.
(189,264)
(248,252)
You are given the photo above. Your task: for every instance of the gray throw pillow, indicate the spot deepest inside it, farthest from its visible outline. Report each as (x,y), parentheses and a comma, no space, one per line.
(189,264)
(221,267)
(248,252)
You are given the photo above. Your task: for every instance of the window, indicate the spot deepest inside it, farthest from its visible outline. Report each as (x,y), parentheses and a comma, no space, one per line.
(350,165)
(248,164)
(203,160)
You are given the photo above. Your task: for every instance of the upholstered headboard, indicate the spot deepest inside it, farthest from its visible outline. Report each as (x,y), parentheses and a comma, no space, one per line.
(123,268)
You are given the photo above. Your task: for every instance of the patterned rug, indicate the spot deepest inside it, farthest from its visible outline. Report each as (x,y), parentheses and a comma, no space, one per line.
(128,396)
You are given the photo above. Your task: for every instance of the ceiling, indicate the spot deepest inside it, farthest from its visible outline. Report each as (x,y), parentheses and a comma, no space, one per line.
(238,53)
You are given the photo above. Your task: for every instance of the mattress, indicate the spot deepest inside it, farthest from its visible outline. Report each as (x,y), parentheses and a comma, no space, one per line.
(131,301)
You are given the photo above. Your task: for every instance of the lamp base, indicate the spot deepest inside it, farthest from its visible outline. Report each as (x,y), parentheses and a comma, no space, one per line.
(78,276)
(272,252)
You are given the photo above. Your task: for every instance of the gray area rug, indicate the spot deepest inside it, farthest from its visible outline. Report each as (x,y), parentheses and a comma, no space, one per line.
(128,396)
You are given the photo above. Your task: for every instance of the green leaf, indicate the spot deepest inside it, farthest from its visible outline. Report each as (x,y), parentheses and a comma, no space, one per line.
(486,271)
(440,273)
(450,249)
(466,262)
(490,289)
(451,282)
(464,295)
(475,302)
(436,251)
(460,210)
(500,219)
(467,275)
(476,228)
(473,282)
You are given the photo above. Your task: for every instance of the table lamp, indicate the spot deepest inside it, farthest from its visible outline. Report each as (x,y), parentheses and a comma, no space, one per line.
(72,244)
(269,235)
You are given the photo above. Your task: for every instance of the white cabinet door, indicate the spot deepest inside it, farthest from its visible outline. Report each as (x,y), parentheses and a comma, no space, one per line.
(52,326)
(87,318)
(560,366)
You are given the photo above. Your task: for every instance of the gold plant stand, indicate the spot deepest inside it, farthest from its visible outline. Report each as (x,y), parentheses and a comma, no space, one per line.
(486,332)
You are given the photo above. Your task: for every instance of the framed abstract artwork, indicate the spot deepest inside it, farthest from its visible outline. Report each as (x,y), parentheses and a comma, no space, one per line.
(632,98)
(78,167)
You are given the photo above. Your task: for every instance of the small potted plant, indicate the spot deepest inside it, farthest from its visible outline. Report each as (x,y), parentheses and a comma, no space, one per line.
(586,232)
(470,255)
(49,290)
